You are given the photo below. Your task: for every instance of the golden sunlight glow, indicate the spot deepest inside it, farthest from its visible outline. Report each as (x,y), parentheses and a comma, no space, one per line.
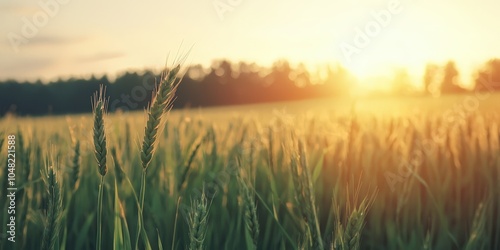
(368,37)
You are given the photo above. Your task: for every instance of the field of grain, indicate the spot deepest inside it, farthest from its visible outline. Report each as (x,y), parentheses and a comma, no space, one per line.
(416,173)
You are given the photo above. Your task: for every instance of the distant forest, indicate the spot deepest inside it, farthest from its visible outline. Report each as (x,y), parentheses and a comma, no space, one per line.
(224,83)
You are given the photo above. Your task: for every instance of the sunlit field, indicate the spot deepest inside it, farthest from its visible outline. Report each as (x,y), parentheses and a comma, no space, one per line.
(259,125)
(418,173)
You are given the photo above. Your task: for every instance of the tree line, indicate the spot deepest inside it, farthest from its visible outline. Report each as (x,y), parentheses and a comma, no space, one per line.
(224,83)
(443,80)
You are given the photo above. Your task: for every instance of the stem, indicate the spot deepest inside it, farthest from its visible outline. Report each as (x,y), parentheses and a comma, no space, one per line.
(99,214)
(175,223)
(142,193)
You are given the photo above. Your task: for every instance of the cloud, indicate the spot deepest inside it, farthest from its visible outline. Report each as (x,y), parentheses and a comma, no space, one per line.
(100,57)
(44,41)
(22,9)
(25,66)
(53,40)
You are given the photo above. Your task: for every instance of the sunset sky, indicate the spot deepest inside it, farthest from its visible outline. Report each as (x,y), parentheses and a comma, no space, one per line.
(83,37)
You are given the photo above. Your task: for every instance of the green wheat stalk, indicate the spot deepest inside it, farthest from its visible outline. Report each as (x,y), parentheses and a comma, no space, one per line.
(305,195)
(198,217)
(477,239)
(162,102)
(189,162)
(75,167)
(54,209)
(119,172)
(100,151)
(251,220)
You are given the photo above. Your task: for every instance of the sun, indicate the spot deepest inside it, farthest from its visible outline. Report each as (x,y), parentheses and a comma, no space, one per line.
(362,70)
(376,67)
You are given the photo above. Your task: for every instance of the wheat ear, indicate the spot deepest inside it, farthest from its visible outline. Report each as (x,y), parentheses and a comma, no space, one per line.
(198,217)
(75,167)
(161,102)
(251,220)
(52,222)
(305,195)
(100,150)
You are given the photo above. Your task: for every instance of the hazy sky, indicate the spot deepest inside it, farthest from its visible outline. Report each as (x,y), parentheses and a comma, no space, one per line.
(80,37)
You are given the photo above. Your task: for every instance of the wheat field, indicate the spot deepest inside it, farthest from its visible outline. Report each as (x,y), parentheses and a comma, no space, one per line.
(219,179)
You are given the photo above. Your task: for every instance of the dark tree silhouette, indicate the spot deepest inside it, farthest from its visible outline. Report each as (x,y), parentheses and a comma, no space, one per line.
(488,78)
(224,83)
(449,83)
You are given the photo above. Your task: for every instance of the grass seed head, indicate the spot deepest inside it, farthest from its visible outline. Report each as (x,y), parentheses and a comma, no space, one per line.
(198,218)
(162,102)
(75,168)
(99,135)
(54,209)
